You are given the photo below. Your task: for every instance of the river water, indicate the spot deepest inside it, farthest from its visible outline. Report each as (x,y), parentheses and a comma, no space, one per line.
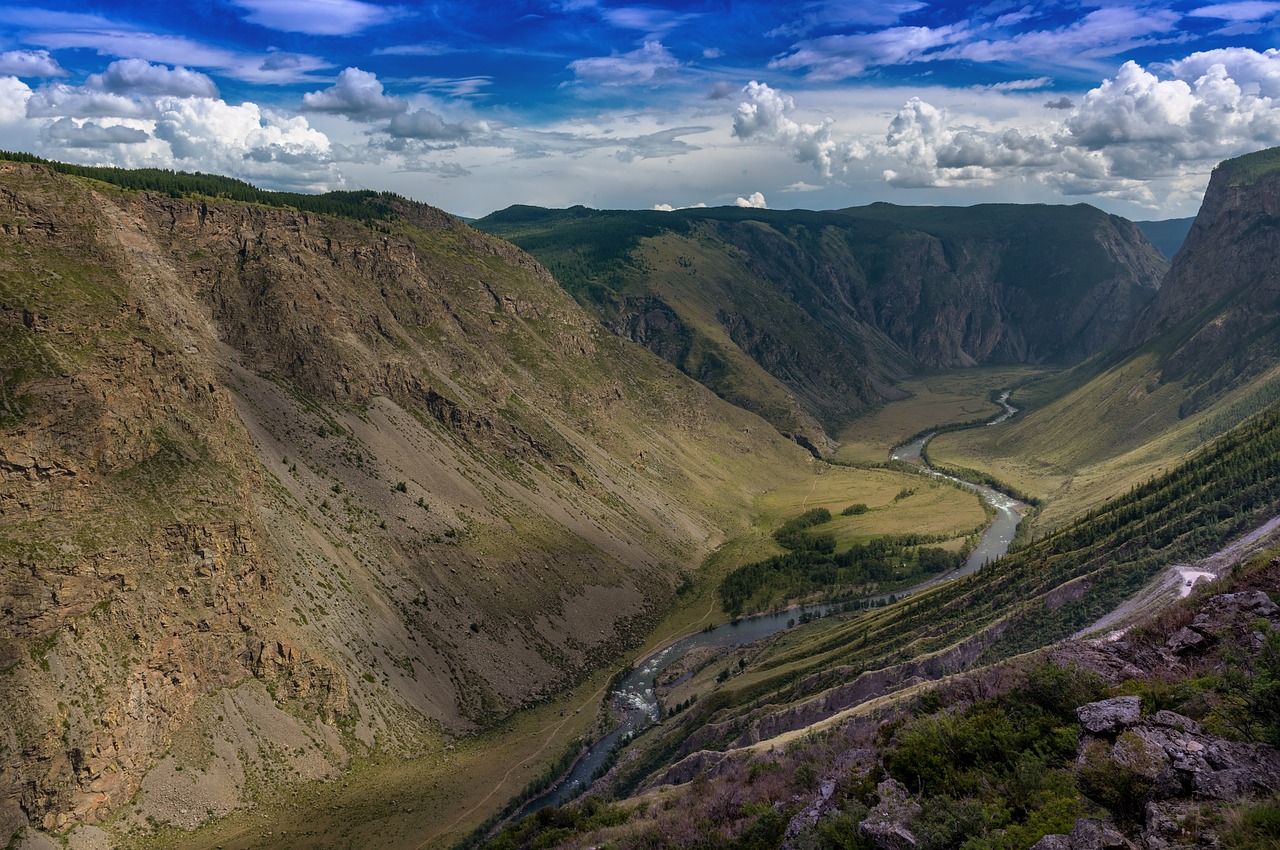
(635,699)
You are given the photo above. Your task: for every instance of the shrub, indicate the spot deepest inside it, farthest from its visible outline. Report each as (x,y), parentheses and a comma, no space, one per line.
(1122,788)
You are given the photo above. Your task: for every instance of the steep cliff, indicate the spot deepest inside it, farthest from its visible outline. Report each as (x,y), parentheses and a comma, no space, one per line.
(1013,283)
(277,488)
(1218,311)
(808,318)
(1200,357)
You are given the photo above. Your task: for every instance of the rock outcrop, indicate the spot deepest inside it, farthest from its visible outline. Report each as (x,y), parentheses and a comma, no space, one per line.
(886,824)
(1222,295)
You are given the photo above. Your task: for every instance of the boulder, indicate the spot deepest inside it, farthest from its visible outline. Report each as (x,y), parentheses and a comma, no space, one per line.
(1110,716)
(1185,640)
(886,824)
(1094,834)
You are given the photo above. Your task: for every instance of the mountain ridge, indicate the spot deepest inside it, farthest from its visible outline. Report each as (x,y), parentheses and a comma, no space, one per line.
(393,482)
(808,318)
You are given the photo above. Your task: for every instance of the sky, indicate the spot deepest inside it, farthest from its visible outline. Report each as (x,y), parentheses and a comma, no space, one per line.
(473,107)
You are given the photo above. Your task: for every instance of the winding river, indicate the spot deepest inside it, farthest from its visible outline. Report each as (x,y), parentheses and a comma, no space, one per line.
(635,698)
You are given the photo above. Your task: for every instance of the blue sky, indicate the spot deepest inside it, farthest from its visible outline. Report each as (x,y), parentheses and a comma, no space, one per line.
(823,104)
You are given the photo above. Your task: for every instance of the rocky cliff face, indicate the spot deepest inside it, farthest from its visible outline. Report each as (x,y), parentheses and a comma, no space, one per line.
(272,477)
(808,318)
(1009,284)
(1219,305)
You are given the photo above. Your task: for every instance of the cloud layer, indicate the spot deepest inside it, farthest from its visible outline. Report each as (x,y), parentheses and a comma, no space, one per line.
(1138,126)
(620,102)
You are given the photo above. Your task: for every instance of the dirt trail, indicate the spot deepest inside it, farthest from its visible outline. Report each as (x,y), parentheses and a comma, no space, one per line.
(1178,580)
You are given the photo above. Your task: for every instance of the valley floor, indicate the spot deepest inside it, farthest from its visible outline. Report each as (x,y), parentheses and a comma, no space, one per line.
(436,800)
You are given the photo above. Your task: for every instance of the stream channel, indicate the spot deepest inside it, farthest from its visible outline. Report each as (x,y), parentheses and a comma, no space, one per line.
(634,698)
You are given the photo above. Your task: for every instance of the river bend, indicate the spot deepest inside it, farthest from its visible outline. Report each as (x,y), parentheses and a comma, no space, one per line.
(634,697)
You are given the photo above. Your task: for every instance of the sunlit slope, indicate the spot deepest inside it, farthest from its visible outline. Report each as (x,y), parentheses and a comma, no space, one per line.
(1203,355)
(343,482)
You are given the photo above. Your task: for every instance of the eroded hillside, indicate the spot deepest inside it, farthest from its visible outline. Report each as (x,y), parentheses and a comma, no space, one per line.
(307,486)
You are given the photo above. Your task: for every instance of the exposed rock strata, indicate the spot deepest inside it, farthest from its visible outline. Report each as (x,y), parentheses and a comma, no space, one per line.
(368,470)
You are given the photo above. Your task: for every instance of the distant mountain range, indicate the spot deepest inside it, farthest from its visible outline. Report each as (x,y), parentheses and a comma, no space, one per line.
(808,318)
(1167,235)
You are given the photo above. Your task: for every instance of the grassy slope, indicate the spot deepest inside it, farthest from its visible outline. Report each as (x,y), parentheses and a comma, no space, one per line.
(1229,487)
(1117,431)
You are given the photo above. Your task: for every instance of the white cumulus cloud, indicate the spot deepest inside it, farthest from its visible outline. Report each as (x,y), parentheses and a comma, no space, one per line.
(765,115)
(915,136)
(138,76)
(1254,71)
(1132,130)
(14,94)
(29,63)
(246,141)
(756,201)
(358,95)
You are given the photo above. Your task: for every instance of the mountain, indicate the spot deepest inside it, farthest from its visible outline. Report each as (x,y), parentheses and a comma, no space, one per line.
(808,318)
(303,488)
(1223,296)
(1167,235)
(973,713)
(1200,357)
(279,489)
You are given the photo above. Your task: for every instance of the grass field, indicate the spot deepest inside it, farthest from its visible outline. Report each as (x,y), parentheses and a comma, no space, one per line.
(899,503)
(944,398)
(1100,439)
